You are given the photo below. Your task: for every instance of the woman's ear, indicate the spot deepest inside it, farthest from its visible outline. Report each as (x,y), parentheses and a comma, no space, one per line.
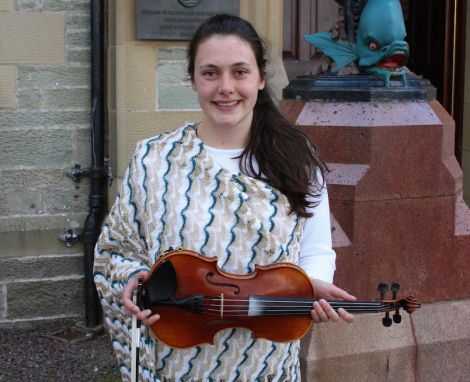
(193,85)
(262,82)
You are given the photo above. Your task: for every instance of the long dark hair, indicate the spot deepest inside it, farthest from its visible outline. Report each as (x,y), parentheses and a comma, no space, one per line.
(287,160)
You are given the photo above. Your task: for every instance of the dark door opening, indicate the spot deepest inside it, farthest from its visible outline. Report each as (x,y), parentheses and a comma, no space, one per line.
(436,34)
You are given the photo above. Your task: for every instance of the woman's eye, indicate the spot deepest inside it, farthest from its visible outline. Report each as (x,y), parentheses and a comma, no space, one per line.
(240,72)
(209,74)
(373,46)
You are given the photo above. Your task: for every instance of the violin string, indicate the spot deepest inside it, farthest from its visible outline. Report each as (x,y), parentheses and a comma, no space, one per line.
(294,304)
(244,313)
(241,310)
(309,302)
(282,309)
(215,309)
(288,307)
(293,308)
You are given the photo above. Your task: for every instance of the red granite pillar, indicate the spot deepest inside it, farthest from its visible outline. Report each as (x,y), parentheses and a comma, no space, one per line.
(396,195)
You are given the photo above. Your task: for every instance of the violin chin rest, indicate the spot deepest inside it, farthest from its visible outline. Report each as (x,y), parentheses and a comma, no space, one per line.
(161,285)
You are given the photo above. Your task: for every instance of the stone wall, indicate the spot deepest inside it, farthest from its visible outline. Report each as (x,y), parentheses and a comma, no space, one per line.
(44,131)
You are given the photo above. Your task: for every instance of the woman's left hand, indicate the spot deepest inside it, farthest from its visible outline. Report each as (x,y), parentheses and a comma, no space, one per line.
(322,311)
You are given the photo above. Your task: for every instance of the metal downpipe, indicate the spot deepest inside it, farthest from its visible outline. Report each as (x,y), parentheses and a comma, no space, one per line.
(97,201)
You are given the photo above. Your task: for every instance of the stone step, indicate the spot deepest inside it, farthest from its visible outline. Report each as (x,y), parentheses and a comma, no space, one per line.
(35,289)
(40,267)
(35,243)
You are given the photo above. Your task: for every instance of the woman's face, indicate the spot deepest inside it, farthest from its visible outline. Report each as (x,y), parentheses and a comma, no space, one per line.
(227,79)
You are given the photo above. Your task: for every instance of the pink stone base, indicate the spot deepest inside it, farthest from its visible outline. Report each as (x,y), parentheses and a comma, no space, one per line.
(395,191)
(431,345)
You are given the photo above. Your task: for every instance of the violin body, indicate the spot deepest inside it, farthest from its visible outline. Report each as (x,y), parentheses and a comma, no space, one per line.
(196,274)
(195,300)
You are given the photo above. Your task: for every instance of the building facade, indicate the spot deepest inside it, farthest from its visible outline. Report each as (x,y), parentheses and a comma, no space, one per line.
(45,106)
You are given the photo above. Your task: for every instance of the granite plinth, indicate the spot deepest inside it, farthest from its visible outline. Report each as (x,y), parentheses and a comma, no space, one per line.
(398,214)
(395,192)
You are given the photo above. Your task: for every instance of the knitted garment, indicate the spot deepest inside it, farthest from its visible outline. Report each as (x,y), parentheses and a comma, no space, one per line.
(174,195)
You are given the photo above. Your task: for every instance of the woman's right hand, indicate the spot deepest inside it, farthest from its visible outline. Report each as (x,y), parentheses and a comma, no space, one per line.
(145,316)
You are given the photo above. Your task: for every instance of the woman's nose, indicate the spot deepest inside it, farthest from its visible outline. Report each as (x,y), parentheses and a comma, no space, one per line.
(226,84)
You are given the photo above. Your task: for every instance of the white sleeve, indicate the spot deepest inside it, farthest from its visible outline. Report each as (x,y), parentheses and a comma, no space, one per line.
(317,257)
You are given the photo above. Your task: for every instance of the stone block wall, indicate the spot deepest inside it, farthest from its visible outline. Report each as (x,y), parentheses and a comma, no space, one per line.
(44,130)
(44,112)
(174,91)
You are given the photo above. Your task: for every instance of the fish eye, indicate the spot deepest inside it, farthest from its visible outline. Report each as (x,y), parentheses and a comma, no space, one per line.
(373,46)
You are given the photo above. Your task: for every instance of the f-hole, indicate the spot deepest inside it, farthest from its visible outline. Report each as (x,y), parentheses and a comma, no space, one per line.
(209,275)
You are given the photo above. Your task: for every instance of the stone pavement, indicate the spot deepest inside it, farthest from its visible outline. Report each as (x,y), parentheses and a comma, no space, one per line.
(33,356)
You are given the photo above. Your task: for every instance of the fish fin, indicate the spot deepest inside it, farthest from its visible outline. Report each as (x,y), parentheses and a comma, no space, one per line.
(341,52)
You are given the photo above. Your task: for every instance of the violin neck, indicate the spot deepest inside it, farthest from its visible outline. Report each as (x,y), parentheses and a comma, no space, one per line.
(269,305)
(266,305)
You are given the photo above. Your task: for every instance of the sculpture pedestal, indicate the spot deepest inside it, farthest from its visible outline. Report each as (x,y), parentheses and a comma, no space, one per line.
(398,214)
(395,192)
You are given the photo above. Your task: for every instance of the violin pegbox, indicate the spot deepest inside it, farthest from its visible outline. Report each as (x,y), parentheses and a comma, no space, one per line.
(409,304)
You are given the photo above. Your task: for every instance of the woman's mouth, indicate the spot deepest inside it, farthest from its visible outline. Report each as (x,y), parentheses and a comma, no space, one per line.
(226,104)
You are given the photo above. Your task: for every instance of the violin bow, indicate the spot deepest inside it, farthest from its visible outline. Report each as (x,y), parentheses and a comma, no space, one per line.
(135,341)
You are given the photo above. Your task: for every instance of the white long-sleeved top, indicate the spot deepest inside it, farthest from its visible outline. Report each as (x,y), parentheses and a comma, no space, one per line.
(317,257)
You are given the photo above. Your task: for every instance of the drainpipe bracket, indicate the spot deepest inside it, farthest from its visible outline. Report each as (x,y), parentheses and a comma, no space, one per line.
(69,237)
(76,173)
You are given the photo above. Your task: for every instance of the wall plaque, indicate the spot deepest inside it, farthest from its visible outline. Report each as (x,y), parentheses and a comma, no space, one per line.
(177,19)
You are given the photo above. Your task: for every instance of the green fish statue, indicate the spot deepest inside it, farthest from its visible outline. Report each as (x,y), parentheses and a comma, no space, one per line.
(379,48)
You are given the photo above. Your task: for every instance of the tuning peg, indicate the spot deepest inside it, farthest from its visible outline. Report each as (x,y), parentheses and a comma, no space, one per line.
(387,321)
(397,317)
(382,288)
(395,289)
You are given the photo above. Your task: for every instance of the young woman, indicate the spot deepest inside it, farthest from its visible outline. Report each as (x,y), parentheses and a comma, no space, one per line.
(244,185)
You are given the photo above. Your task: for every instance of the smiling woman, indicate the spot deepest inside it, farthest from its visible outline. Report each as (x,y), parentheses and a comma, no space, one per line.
(243,185)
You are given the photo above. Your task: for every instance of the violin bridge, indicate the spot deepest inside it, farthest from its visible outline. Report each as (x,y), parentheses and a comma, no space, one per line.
(221,305)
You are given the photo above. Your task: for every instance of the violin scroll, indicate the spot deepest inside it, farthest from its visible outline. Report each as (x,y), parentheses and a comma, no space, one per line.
(410,304)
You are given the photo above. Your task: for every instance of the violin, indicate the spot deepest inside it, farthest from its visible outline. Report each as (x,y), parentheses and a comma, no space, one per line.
(195,300)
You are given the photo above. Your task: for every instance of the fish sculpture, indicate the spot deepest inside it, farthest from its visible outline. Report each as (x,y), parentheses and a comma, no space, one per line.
(379,47)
